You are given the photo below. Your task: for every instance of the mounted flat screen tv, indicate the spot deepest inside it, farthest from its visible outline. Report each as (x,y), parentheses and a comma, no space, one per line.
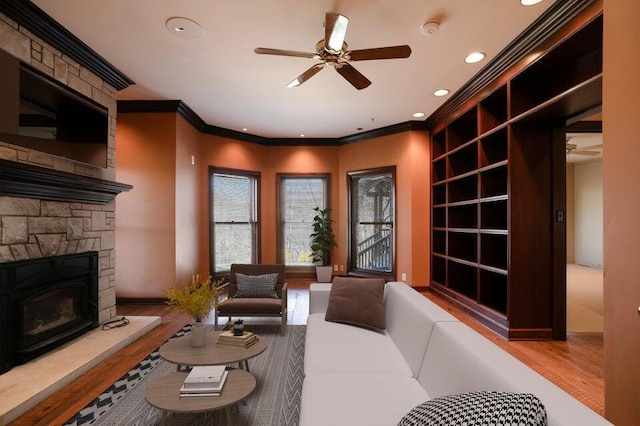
(40,113)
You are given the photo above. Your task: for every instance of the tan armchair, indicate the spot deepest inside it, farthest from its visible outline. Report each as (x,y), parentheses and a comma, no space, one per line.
(254,306)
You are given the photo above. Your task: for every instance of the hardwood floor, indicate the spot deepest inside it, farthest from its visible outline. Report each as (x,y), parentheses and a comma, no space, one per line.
(575,365)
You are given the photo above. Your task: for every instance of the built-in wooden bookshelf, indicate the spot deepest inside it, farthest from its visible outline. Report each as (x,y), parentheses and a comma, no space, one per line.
(493,177)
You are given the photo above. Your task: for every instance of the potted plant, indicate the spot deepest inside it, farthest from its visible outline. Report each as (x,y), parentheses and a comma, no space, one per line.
(197,299)
(323,241)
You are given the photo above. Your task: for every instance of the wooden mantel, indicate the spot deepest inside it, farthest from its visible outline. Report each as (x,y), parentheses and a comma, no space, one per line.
(26,180)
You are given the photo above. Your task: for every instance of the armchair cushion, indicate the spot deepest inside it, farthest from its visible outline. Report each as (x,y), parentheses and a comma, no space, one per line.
(357,301)
(251,306)
(251,286)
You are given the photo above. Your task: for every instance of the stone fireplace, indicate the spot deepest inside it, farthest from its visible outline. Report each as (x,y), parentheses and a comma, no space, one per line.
(57,258)
(52,206)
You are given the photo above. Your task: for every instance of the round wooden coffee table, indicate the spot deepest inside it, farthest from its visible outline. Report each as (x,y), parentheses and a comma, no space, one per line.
(179,351)
(164,394)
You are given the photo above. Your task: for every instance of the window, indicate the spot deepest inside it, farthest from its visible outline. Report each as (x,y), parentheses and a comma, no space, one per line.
(372,213)
(234,218)
(298,195)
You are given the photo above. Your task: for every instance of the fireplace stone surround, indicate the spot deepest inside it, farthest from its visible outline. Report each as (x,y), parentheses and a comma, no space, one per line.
(42,214)
(51,205)
(46,213)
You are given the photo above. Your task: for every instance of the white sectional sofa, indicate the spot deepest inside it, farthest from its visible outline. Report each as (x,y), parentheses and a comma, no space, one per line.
(358,376)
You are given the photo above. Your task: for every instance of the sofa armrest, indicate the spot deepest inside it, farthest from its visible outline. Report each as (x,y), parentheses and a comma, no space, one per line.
(318,297)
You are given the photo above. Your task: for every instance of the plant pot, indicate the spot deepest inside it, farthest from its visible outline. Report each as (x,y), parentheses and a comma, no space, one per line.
(323,274)
(198,332)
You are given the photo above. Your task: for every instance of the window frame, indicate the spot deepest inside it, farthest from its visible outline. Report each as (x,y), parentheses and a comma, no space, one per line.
(352,178)
(294,270)
(256,176)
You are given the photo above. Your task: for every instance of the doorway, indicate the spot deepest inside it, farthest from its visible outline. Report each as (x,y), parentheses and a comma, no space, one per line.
(585,227)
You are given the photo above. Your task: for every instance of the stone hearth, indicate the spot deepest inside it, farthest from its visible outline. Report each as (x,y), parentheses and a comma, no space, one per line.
(26,386)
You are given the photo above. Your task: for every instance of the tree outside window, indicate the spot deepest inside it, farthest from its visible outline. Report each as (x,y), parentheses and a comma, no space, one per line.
(372,213)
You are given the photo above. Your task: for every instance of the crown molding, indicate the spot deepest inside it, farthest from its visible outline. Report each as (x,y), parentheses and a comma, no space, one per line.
(183,110)
(586,126)
(25,13)
(554,18)
(31,17)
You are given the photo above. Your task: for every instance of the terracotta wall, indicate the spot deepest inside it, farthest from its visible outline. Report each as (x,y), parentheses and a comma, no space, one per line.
(190,202)
(621,133)
(409,152)
(146,233)
(163,230)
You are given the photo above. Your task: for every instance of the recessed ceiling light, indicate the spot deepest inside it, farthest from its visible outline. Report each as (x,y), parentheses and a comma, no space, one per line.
(244,129)
(418,114)
(184,28)
(474,57)
(441,92)
(529,2)
(302,135)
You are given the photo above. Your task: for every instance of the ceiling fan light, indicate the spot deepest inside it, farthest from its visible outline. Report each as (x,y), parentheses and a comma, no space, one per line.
(474,57)
(334,43)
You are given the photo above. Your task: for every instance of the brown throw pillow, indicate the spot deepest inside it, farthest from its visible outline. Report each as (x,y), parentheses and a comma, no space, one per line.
(357,301)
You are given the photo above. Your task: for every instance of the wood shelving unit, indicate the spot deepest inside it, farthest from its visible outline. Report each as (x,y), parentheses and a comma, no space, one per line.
(493,177)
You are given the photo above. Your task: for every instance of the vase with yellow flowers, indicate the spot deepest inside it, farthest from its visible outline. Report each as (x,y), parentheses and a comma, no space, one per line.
(196,298)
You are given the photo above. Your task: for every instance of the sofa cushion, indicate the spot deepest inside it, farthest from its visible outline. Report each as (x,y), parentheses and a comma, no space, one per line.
(337,348)
(482,408)
(357,301)
(348,399)
(256,285)
(410,317)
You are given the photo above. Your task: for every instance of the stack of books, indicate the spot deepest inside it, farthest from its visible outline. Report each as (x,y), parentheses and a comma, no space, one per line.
(204,381)
(247,339)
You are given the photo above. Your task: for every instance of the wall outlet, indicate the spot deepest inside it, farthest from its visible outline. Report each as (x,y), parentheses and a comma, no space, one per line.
(335,268)
(404,276)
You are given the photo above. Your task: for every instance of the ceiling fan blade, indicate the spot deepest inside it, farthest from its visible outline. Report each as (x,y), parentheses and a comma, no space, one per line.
(306,75)
(599,146)
(391,52)
(280,52)
(353,76)
(335,30)
(581,152)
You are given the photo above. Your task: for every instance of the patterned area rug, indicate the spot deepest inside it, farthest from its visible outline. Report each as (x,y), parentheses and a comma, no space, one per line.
(275,401)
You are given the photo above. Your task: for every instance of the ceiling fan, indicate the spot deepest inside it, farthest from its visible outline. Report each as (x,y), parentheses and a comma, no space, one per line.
(586,150)
(333,52)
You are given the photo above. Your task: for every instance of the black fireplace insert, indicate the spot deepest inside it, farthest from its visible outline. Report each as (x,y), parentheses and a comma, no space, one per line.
(44,303)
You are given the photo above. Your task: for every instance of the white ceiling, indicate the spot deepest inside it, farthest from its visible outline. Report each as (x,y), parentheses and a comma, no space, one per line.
(228,85)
